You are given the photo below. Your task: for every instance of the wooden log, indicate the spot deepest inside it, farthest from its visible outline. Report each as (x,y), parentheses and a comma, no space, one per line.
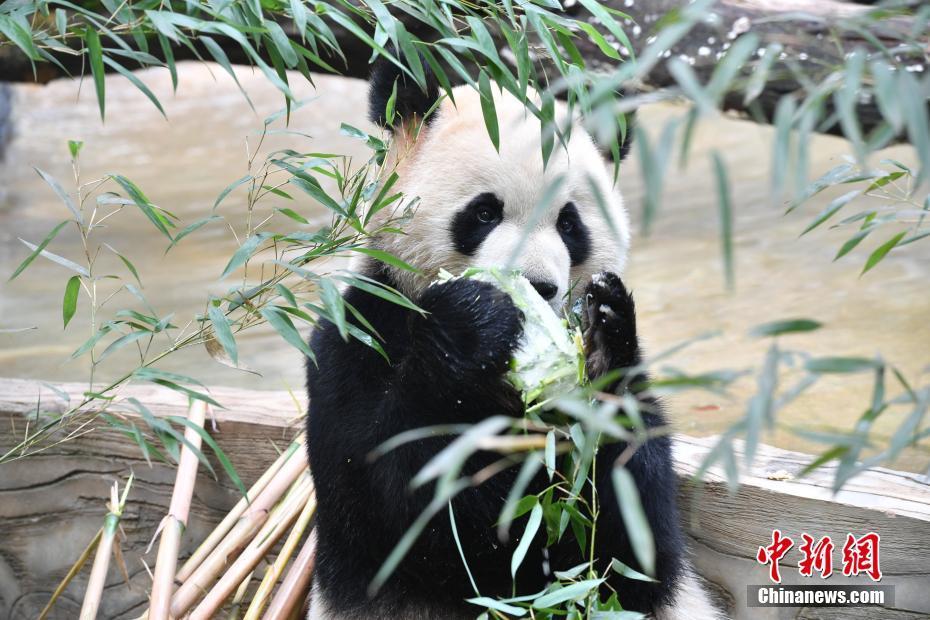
(814,34)
(50,507)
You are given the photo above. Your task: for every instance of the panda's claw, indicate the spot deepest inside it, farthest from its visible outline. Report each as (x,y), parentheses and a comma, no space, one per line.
(608,300)
(610,332)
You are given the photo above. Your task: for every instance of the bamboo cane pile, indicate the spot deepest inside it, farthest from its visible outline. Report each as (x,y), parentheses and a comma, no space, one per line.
(223,570)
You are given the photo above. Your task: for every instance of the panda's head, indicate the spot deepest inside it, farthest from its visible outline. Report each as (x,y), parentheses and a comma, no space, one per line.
(559,223)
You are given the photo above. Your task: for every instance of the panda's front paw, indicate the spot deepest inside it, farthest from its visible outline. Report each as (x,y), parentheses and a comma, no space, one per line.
(610,324)
(475,324)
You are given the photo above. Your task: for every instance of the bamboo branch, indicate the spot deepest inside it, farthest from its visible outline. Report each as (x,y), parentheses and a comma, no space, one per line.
(98,573)
(293,591)
(216,536)
(75,569)
(174,523)
(278,523)
(244,530)
(275,571)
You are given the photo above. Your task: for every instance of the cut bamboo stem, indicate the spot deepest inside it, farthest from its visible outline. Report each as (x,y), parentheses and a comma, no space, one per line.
(75,569)
(243,531)
(98,573)
(278,523)
(293,591)
(175,521)
(216,536)
(238,597)
(275,571)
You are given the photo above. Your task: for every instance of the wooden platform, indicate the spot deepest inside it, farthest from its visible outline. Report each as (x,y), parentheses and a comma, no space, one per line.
(52,503)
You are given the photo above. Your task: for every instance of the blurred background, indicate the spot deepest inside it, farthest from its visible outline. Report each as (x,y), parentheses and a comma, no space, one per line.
(676,273)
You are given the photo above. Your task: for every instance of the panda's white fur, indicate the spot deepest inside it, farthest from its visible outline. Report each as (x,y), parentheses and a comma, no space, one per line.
(454,156)
(443,166)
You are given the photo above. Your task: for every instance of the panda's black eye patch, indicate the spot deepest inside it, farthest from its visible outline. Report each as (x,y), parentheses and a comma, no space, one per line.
(475,221)
(574,234)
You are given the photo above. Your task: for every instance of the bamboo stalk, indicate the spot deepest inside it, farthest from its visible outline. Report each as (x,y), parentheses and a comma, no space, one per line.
(284,516)
(293,591)
(230,547)
(238,596)
(98,572)
(216,536)
(74,570)
(275,571)
(175,521)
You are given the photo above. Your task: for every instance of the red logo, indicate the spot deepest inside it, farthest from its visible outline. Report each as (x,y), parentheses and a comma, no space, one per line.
(773,553)
(817,557)
(860,555)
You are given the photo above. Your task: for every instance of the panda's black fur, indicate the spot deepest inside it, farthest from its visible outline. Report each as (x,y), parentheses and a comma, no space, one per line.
(411,100)
(447,367)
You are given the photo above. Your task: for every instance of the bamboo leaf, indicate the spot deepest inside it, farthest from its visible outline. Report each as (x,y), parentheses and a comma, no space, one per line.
(630,573)
(18,32)
(835,205)
(570,592)
(129,75)
(59,190)
(127,263)
(488,109)
(791,326)
(282,43)
(532,526)
(726,217)
(153,213)
(490,603)
(95,55)
(550,453)
(759,77)
(603,15)
(282,324)
(880,252)
(853,241)
(223,332)
(191,228)
(174,382)
(69,304)
(333,302)
(634,519)
(38,249)
(387,258)
(244,253)
(822,365)
(122,341)
(55,258)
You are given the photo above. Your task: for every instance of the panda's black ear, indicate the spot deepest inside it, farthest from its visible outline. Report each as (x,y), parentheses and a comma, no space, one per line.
(411,102)
(625,140)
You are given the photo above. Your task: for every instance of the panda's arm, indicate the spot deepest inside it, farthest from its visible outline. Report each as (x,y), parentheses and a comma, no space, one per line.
(446,367)
(613,345)
(451,372)
(463,345)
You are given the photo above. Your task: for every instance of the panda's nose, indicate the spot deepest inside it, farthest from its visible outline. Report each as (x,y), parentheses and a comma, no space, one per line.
(546,289)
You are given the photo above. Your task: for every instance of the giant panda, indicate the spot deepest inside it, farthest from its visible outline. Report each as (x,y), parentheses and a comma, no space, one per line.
(448,366)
